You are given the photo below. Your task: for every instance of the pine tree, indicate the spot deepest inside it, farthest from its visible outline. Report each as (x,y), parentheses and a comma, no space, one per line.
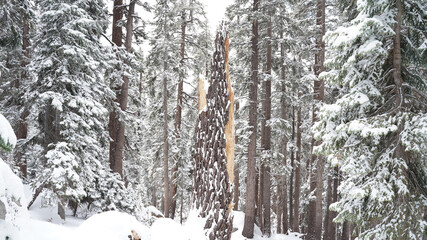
(374,130)
(67,104)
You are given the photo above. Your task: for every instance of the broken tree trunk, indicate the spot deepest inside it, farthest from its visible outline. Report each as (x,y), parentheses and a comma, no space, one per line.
(214,150)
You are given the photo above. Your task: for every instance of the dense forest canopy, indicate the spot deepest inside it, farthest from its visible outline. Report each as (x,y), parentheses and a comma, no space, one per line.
(309,116)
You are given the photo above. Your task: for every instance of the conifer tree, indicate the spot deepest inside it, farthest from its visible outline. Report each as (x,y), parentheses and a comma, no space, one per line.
(67,106)
(374,130)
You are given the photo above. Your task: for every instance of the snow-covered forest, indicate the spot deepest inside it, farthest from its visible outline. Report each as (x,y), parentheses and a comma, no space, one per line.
(294,119)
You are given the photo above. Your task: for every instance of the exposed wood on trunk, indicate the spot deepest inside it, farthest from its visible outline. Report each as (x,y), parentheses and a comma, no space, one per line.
(229,127)
(248,229)
(212,185)
(236,191)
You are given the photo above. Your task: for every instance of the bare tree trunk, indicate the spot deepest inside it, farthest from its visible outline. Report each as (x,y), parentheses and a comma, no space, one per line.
(297,171)
(285,140)
(314,217)
(266,143)
(291,178)
(22,124)
(178,116)
(114,123)
(248,229)
(165,137)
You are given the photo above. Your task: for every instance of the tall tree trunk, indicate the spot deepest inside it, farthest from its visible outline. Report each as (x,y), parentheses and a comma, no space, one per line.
(266,142)
(248,229)
(297,170)
(178,116)
(285,139)
(314,217)
(123,97)
(165,128)
(114,123)
(22,130)
(291,178)
(165,141)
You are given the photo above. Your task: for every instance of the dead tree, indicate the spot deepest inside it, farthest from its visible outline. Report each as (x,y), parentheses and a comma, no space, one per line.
(214,150)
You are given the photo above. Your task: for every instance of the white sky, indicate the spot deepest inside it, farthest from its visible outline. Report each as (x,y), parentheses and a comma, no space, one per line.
(215,10)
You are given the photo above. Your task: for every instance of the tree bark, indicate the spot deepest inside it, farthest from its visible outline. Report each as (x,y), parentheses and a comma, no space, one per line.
(22,130)
(314,215)
(297,171)
(165,127)
(285,139)
(248,229)
(214,151)
(327,221)
(266,142)
(291,178)
(178,116)
(114,123)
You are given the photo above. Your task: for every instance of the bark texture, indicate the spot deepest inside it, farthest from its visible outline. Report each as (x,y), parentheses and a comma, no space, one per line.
(314,214)
(248,229)
(114,124)
(212,185)
(266,142)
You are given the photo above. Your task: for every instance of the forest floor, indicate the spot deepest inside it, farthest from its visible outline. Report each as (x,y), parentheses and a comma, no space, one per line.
(45,224)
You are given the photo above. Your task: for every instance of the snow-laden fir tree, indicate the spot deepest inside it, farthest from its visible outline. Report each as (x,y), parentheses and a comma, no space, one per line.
(67,100)
(214,150)
(376,130)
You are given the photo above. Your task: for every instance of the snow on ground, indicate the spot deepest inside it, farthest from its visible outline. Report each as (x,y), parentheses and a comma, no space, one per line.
(43,223)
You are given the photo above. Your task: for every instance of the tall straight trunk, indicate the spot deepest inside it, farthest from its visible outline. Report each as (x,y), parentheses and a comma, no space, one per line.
(248,229)
(178,116)
(165,128)
(22,130)
(236,191)
(123,97)
(314,215)
(114,123)
(297,171)
(266,142)
(285,139)
(291,178)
